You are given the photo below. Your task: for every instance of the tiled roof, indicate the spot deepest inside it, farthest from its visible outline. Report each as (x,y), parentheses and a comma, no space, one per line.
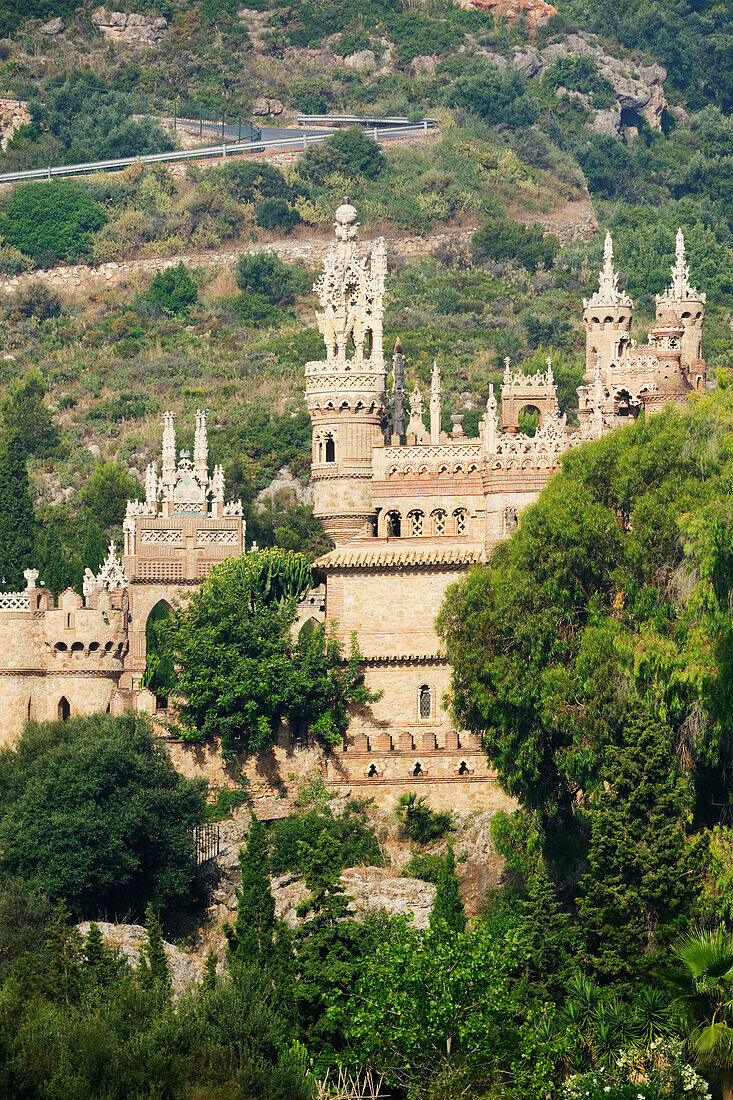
(390,554)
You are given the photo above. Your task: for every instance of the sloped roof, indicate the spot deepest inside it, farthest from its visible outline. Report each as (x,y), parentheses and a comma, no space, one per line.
(389,554)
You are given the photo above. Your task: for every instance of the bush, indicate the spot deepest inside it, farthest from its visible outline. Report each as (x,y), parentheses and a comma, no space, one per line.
(36,299)
(92,810)
(501,239)
(247,181)
(277,214)
(267,285)
(357,841)
(419,822)
(107,491)
(350,152)
(423,865)
(12,260)
(173,289)
(51,221)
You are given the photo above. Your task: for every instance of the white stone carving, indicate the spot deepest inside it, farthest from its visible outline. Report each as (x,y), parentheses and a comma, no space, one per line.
(221,538)
(680,289)
(110,576)
(608,293)
(153,537)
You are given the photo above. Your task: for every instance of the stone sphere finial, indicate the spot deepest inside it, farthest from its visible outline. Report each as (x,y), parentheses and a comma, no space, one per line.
(347,220)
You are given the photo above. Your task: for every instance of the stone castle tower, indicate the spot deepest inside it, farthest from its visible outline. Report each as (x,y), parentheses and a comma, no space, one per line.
(345,392)
(607,318)
(688,305)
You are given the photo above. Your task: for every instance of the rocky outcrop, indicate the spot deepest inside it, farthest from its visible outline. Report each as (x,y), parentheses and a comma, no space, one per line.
(12,115)
(130,28)
(533,12)
(363,61)
(53,27)
(127,939)
(423,64)
(284,481)
(372,889)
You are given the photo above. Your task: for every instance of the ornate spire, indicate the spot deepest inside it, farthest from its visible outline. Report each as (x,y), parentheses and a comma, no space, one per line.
(110,576)
(201,446)
(169,447)
(489,423)
(416,426)
(151,483)
(217,485)
(435,404)
(550,378)
(608,293)
(680,289)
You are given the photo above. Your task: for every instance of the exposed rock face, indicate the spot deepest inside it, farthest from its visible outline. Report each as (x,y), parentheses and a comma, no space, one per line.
(373,889)
(129,938)
(53,27)
(12,115)
(533,11)
(130,28)
(263,107)
(363,61)
(285,480)
(608,122)
(423,64)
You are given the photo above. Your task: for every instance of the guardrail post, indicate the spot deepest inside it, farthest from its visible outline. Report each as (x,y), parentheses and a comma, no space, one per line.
(201,121)
(305,141)
(425,125)
(49,171)
(224,149)
(375,134)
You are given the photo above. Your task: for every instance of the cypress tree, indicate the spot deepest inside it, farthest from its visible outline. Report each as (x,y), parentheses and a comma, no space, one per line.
(94,551)
(153,963)
(448,907)
(641,884)
(251,939)
(547,937)
(17,521)
(208,982)
(55,569)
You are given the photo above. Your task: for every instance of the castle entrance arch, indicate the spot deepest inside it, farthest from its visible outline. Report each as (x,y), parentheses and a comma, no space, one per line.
(159,676)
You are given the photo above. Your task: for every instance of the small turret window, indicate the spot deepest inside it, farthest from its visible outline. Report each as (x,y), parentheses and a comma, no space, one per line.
(460,519)
(416,523)
(394,525)
(417,770)
(64,709)
(330,450)
(425,701)
(439,518)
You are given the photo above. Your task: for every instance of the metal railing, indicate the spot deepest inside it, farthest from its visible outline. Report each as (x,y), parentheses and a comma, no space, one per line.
(206,841)
(363,120)
(209,152)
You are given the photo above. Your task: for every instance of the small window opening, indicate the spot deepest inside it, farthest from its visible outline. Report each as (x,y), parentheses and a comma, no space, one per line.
(64,709)
(372,771)
(417,770)
(330,450)
(394,525)
(425,702)
(463,768)
(461,521)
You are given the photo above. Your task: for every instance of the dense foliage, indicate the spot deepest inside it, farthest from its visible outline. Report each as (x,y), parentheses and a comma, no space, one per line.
(93,811)
(51,221)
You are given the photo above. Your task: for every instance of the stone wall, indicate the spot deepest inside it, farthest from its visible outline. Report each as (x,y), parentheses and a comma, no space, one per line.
(80,278)
(13,113)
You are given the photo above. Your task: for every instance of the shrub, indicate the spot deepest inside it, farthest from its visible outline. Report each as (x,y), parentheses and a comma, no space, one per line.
(277,214)
(173,289)
(247,181)
(92,810)
(501,239)
(350,152)
(419,822)
(12,260)
(423,865)
(267,285)
(357,841)
(227,799)
(51,221)
(35,299)
(107,492)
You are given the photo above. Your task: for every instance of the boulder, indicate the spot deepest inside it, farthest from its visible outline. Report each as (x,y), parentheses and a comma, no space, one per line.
(426,64)
(608,122)
(263,107)
(363,61)
(53,27)
(127,939)
(528,62)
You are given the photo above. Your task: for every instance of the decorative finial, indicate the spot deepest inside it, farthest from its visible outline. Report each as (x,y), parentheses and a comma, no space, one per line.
(608,293)
(398,346)
(346,221)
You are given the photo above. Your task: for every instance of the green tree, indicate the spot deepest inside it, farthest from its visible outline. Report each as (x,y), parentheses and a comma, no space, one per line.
(448,908)
(51,221)
(251,939)
(17,519)
(106,492)
(643,872)
(154,972)
(55,565)
(268,285)
(174,289)
(25,413)
(352,153)
(94,551)
(93,810)
(704,984)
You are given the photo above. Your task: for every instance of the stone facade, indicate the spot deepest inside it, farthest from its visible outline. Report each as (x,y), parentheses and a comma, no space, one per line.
(410,508)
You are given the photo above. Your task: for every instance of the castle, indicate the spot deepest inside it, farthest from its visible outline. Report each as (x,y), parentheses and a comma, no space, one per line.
(408,508)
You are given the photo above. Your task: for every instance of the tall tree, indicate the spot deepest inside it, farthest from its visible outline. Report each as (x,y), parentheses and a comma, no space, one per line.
(448,908)
(643,872)
(94,551)
(17,520)
(154,971)
(25,413)
(55,566)
(251,939)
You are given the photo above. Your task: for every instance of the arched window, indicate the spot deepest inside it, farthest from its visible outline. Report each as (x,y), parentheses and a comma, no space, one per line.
(368,343)
(330,449)
(463,768)
(29,712)
(425,701)
(319,450)
(415,520)
(440,519)
(394,525)
(528,420)
(160,675)
(64,709)
(460,521)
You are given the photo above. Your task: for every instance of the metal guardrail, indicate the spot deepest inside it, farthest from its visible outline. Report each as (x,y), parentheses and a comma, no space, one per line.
(361,120)
(210,152)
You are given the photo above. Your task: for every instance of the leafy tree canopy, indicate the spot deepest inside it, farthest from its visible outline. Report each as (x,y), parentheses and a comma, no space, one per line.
(173,289)
(106,492)
(51,221)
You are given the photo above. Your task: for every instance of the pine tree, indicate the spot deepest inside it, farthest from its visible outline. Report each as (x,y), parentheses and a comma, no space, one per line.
(100,964)
(63,951)
(546,935)
(154,971)
(55,569)
(448,907)
(17,521)
(94,551)
(641,884)
(251,939)
(208,982)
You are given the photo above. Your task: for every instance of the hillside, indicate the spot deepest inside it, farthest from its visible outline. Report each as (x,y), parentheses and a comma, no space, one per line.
(536,118)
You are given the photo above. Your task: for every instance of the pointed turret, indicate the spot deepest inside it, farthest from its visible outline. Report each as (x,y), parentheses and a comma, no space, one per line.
(201,446)
(435,404)
(688,305)
(607,317)
(399,390)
